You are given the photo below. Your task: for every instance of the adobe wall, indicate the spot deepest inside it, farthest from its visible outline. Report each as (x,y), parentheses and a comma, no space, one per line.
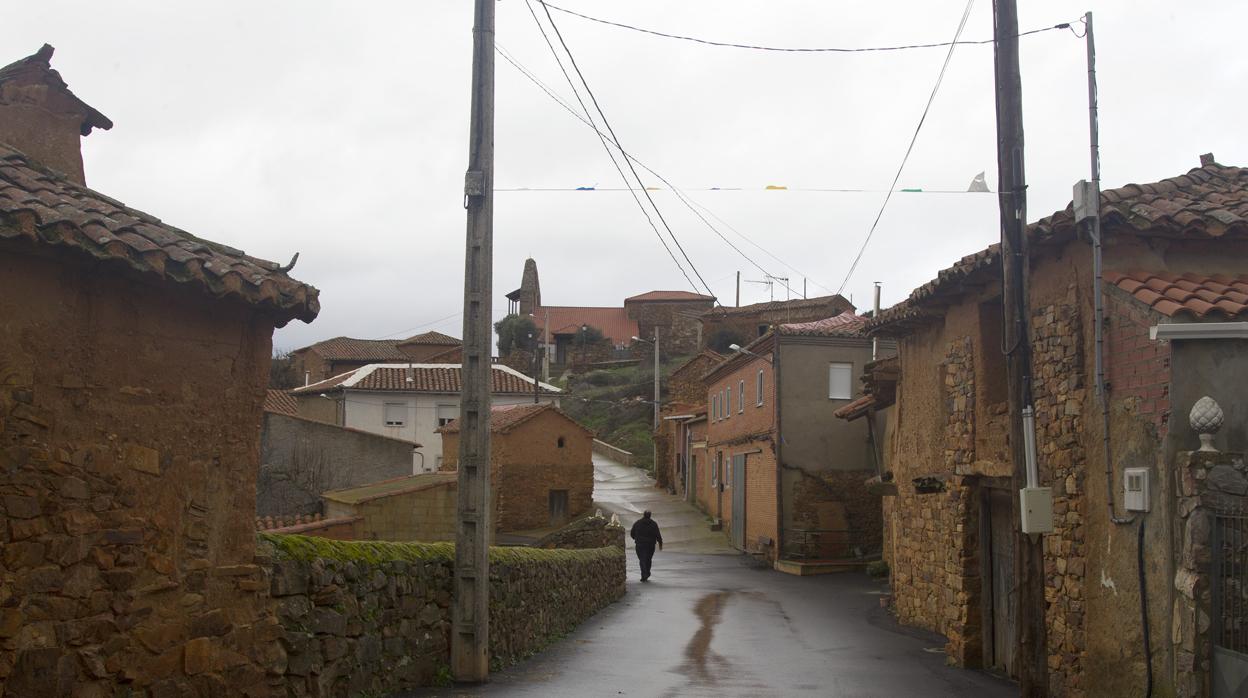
(361,618)
(127,486)
(301,458)
(527,464)
(426,515)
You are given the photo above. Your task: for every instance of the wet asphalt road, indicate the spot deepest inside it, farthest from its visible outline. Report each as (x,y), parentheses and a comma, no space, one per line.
(718,625)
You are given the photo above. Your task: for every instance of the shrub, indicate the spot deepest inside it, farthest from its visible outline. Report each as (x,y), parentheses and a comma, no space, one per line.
(515,332)
(877,569)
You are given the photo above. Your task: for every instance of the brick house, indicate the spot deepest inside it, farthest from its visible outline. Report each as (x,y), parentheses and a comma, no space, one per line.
(133,363)
(785,478)
(1176,266)
(334,357)
(408,402)
(686,393)
(541,465)
(743,324)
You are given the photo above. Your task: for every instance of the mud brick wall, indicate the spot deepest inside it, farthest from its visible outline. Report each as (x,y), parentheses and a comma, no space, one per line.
(129,441)
(837,500)
(364,618)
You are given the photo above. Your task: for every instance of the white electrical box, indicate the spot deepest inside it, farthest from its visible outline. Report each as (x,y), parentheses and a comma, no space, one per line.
(1036,504)
(1135,489)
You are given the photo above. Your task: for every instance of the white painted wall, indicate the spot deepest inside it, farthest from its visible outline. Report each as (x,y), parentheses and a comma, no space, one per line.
(365,410)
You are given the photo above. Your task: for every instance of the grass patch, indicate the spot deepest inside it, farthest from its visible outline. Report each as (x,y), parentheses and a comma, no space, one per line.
(308,548)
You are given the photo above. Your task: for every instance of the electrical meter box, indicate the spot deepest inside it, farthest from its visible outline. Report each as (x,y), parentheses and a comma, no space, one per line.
(1036,504)
(1135,489)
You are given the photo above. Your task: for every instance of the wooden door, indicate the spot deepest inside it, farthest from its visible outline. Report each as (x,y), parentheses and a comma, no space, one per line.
(558,507)
(738,501)
(1000,622)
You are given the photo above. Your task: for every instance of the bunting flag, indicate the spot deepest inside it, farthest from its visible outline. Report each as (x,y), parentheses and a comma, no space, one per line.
(979,184)
(776,187)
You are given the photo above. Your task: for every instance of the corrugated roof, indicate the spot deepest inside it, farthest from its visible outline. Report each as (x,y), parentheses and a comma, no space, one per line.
(41,207)
(426,378)
(281,402)
(1196,295)
(391,488)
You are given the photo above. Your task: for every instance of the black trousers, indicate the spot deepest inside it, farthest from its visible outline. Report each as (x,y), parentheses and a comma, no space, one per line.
(645,553)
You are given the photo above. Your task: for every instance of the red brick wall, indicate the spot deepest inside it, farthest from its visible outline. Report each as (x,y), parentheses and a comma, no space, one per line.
(1136,366)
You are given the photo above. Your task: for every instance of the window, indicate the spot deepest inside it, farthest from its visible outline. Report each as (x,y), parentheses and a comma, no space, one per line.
(727,481)
(715,407)
(560,442)
(714,468)
(447,413)
(840,381)
(759,389)
(727,402)
(741,397)
(762,330)
(395,414)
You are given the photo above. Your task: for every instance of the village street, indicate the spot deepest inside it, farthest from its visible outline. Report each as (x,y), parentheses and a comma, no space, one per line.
(719,625)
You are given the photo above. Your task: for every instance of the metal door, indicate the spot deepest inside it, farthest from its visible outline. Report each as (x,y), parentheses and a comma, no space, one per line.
(999,568)
(738,501)
(1229,577)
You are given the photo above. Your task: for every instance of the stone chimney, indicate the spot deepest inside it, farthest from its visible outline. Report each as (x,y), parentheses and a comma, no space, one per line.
(530,289)
(42,118)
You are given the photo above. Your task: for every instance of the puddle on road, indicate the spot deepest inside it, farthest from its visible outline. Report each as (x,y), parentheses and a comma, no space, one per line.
(698,652)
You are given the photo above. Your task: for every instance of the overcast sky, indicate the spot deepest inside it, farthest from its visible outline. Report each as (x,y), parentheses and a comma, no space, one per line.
(339,130)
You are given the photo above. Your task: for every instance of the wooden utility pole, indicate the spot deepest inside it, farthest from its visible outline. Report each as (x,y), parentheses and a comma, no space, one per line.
(470,619)
(1032,658)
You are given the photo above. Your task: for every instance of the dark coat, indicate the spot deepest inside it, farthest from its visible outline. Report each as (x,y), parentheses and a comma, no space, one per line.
(646,531)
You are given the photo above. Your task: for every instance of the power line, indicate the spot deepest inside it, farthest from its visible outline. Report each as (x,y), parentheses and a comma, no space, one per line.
(601,138)
(819,190)
(887,197)
(616,140)
(683,198)
(726,44)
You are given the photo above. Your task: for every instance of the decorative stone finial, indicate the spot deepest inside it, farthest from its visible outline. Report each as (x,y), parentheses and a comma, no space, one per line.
(1206,419)
(615,519)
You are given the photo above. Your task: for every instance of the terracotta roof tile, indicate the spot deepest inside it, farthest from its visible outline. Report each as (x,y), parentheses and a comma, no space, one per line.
(668,296)
(565,319)
(352,349)
(88,224)
(281,402)
(1211,296)
(504,418)
(846,324)
(431,338)
(834,303)
(426,378)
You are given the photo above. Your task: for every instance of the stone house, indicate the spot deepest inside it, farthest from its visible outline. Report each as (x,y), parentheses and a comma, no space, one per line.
(785,478)
(1175,300)
(408,402)
(133,363)
(674,313)
(410,508)
(541,465)
(743,324)
(334,357)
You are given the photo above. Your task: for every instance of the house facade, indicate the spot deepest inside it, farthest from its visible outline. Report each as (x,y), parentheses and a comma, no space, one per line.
(541,466)
(1175,271)
(784,477)
(133,363)
(334,357)
(409,402)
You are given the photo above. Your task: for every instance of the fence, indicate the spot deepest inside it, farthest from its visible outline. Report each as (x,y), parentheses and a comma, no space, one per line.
(1229,591)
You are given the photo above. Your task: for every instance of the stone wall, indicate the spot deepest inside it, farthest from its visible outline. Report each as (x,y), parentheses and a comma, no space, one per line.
(127,489)
(680,330)
(588,532)
(301,458)
(1208,483)
(361,618)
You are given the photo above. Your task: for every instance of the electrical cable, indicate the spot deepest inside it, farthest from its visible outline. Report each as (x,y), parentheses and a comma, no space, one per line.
(602,138)
(681,196)
(1148,646)
(616,140)
(910,148)
(781,49)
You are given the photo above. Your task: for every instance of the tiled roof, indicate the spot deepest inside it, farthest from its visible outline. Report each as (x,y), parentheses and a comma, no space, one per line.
(668,296)
(858,408)
(41,207)
(847,324)
(504,418)
(564,319)
(1196,295)
(281,402)
(431,338)
(352,349)
(426,378)
(834,302)
(1210,201)
(392,487)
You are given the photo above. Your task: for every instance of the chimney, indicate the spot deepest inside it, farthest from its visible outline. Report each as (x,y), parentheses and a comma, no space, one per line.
(1207,159)
(42,118)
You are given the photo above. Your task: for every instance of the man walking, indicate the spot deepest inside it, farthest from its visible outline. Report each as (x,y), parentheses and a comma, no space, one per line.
(645,533)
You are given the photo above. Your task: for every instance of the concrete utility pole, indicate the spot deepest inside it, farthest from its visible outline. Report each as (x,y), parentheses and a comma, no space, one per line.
(656,377)
(470,619)
(738,289)
(1032,659)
